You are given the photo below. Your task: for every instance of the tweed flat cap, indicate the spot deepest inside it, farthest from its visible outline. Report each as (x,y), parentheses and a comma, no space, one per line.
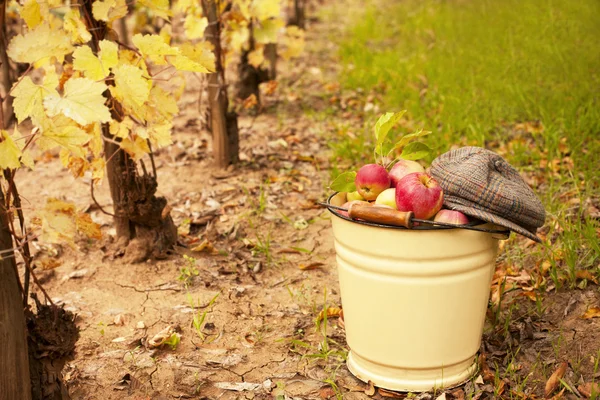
(481,184)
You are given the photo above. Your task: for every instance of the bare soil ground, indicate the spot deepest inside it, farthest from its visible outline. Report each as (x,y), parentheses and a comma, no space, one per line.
(266,250)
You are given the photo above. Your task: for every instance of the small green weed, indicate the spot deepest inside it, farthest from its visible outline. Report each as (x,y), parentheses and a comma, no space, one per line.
(173,340)
(188,271)
(199,318)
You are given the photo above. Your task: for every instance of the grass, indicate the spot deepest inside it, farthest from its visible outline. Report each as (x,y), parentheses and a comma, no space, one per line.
(199,318)
(518,77)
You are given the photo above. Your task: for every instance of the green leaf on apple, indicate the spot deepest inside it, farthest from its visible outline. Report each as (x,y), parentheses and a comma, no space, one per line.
(407,138)
(415,151)
(384,124)
(344,182)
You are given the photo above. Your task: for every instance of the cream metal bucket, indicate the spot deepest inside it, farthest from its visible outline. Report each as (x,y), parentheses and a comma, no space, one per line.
(414,302)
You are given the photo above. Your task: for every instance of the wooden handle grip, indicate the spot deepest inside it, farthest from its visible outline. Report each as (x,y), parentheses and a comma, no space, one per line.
(380,215)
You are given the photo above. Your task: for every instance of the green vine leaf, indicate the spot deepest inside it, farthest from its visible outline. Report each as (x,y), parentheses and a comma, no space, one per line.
(344,182)
(383,126)
(407,138)
(415,151)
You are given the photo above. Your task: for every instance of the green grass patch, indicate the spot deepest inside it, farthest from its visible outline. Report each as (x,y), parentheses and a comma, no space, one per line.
(518,77)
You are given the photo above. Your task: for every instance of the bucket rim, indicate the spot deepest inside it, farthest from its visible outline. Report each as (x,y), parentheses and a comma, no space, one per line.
(474,223)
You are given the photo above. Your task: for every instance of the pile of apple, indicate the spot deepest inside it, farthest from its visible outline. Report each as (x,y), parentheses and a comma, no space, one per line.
(406,187)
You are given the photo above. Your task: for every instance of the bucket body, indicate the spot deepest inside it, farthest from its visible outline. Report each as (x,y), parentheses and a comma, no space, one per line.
(414,302)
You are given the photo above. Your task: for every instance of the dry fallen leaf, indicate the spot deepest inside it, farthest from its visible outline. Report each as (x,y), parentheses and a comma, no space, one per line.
(554,380)
(586,275)
(326,393)
(161,337)
(270,87)
(488,375)
(530,295)
(48,263)
(389,393)
(370,389)
(458,394)
(205,246)
(500,388)
(589,389)
(310,266)
(593,312)
(250,101)
(331,312)
(119,320)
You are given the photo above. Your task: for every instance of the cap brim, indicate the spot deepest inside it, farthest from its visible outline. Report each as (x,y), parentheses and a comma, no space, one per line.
(493,218)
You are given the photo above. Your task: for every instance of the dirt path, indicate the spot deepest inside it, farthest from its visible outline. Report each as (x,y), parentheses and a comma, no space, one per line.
(266,250)
(261,226)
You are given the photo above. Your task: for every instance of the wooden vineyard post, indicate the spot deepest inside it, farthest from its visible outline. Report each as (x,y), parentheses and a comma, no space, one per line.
(14,356)
(222,122)
(6,78)
(271,56)
(14,359)
(298,17)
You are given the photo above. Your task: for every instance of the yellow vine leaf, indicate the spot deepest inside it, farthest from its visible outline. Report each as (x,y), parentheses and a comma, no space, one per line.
(194,24)
(82,101)
(238,38)
(165,33)
(265,9)
(60,221)
(160,8)
(51,79)
(96,144)
(109,10)
(137,148)
(98,166)
(86,226)
(161,106)
(96,68)
(293,42)
(121,129)
(73,24)
(131,88)
(40,45)
(62,132)
(10,153)
(76,165)
(194,58)
(256,57)
(57,222)
(141,131)
(26,157)
(268,30)
(154,47)
(130,57)
(33,13)
(29,97)
(243,8)
(160,134)
(183,5)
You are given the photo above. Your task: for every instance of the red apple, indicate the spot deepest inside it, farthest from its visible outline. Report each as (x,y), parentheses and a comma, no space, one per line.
(387,198)
(451,217)
(420,193)
(371,180)
(403,168)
